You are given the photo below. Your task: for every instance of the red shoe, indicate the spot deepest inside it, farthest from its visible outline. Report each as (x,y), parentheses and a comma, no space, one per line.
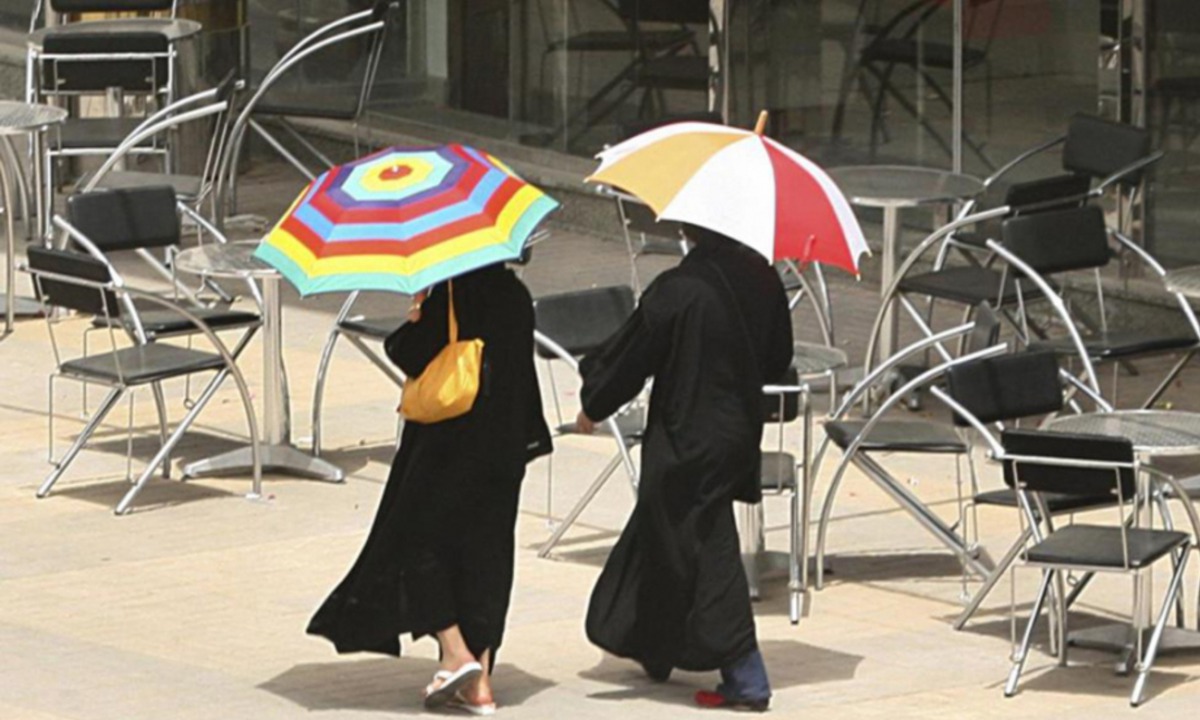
(717,701)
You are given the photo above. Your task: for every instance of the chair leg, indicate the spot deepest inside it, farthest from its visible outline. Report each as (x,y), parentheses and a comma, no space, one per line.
(1147,660)
(319,390)
(990,583)
(164,453)
(160,405)
(823,522)
(580,506)
(1014,675)
(107,404)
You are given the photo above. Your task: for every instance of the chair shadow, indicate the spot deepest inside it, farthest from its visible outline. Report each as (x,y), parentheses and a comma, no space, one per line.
(592,555)
(893,566)
(384,684)
(157,494)
(789,664)
(1097,679)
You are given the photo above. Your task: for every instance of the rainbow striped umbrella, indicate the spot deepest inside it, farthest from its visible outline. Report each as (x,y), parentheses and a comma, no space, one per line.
(403,219)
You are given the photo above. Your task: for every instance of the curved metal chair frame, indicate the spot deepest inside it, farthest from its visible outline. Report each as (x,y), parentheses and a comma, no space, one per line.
(125,296)
(874,472)
(366,22)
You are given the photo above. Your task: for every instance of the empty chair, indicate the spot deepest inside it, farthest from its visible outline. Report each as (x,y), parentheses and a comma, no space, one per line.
(567,327)
(1039,462)
(84,283)
(862,440)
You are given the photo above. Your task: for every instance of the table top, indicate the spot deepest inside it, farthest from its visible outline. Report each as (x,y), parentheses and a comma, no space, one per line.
(1185,281)
(903,185)
(1152,432)
(22,117)
(227,260)
(173,28)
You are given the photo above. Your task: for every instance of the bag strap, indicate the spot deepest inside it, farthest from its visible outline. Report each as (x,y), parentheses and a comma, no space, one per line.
(453,320)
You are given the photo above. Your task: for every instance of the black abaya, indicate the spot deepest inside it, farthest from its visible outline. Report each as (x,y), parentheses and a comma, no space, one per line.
(673,592)
(440,551)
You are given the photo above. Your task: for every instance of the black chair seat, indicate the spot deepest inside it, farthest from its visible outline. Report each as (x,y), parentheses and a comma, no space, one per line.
(778,471)
(186,187)
(82,133)
(898,435)
(1117,344)
(161,323)
(968,285)
(1056,502)
(142,364)
(1101,547)
(372,327)
(621,40)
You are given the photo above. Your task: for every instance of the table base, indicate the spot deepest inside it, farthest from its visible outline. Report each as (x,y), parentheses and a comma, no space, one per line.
(22,307)
(283,459)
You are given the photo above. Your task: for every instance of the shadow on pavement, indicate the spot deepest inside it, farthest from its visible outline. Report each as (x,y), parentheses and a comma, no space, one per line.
(385,684)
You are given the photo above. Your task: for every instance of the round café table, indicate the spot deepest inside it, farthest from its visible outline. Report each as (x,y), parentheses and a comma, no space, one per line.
(237,261)
(32,120)
(892,188)
(1153,433)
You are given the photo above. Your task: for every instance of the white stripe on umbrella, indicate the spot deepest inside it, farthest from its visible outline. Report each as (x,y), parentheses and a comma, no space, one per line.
(747,207)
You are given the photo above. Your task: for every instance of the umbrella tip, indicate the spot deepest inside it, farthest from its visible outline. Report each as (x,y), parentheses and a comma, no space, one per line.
(761,126)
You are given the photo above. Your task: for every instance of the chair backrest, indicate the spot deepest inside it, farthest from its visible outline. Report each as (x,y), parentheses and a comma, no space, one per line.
(1049,193)
(1007,387)
(1060,240)
(1098,148)
(127,219)
(70,62)
(581,320)
(54,271)
(1049,477)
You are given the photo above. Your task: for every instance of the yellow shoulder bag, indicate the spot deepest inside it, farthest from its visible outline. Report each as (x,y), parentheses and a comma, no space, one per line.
(448,385)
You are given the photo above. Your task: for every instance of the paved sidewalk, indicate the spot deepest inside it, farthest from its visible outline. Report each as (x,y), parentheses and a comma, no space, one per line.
(194,605)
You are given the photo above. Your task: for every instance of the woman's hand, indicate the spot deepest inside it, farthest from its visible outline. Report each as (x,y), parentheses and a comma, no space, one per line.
(414,310)
(584,424)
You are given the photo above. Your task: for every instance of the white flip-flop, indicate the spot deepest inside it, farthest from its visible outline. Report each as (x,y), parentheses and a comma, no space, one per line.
(451,682)
(458,702)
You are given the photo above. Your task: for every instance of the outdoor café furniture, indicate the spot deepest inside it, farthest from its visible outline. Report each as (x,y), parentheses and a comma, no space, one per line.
(86,283)
(891,188)
(999,391)
(261,102)
(1153,434)
(1087,465)
(31,120)
(568,326)
(237,261)
(358,330)
(783,473)
(861,439)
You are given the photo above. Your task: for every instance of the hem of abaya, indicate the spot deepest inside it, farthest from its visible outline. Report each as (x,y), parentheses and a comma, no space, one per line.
(685,664)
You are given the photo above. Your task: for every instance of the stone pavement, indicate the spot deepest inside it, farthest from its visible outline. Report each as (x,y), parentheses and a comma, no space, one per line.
(194,606)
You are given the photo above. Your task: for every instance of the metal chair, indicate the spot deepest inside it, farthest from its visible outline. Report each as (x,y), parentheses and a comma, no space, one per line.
(784,474)
(860,439)
(279,106)
(1040,462)
(85,283)
(568,326)
(1077,239)
(987,393)
(358,330)
(208,106)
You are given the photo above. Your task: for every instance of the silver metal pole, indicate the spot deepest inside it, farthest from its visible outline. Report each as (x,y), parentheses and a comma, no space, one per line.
(956,121)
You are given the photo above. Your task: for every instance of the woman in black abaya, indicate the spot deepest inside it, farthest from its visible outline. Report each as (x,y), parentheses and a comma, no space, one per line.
(711,332)
(439,557)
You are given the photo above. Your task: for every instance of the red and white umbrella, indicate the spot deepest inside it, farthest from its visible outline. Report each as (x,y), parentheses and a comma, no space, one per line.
(741,184)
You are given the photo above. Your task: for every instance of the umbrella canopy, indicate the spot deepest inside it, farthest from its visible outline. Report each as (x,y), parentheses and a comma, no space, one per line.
(403,219)
(741,184)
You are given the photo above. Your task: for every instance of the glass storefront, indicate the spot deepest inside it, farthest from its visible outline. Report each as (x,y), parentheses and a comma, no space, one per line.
(845,81)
